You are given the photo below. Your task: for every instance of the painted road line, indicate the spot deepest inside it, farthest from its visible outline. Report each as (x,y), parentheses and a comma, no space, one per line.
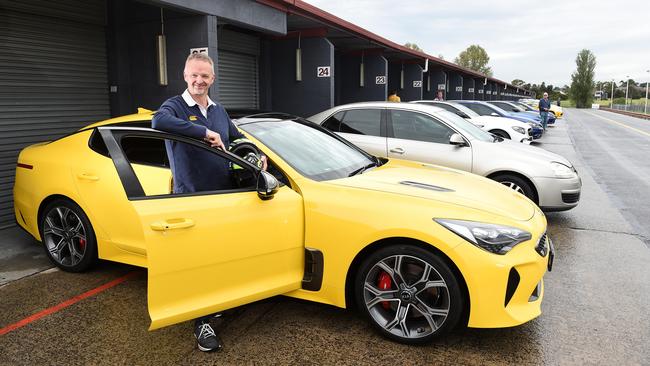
(65,304)
(620,124)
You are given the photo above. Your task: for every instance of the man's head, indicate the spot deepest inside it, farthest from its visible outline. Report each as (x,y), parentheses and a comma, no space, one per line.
(198,73)
(439,94)
(545,95)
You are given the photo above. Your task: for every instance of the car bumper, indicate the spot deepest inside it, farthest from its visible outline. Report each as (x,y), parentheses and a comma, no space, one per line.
(506,290)
(558,194)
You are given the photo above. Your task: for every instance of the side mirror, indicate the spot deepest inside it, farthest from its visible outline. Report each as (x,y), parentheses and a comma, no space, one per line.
(267,185)
(495,114)
(457,140)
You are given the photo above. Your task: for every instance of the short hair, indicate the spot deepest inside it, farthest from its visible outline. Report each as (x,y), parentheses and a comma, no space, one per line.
(200,56)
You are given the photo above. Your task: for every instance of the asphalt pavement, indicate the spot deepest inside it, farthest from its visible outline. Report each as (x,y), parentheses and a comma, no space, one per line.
(595,308)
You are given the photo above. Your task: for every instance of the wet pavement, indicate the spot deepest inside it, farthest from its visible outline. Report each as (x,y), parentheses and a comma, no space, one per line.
(595,308)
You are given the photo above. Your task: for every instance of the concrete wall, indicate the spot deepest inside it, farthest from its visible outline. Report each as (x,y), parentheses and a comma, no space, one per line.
(133,28)
(437,80)
(311,95)
(245,13)
(348,89)
(412,72)
(469,91)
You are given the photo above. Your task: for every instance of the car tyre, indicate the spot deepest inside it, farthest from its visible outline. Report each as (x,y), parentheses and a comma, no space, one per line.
(68,237)
(501,133)
(409,294)
(518,184)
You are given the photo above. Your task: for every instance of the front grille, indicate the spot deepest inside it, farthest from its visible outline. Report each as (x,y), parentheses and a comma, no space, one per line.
(542,246)
(570,197)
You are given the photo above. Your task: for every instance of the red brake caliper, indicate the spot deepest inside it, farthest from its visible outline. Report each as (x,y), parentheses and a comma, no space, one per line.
(384,283)
(82,244)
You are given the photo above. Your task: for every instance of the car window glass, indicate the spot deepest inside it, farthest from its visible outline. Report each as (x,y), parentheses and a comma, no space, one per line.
(149,159)
(481,109)
(419,127)
(362,122)
(334,123)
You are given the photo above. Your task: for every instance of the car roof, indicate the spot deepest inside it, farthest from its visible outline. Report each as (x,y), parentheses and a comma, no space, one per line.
(392,105)
(142,114)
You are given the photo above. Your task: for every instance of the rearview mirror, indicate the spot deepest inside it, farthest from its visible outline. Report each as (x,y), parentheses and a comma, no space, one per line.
(457,140)
(267,185)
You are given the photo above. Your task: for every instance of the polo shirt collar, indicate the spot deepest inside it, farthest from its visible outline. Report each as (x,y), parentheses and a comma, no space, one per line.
(191,102)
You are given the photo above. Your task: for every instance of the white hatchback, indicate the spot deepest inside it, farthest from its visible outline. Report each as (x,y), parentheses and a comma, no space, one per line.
(432,135)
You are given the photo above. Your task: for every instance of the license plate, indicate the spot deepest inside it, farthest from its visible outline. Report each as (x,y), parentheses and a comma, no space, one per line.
(551,254)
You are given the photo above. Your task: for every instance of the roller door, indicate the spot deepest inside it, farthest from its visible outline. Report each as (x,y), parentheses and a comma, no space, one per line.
(237,71)
(53,77)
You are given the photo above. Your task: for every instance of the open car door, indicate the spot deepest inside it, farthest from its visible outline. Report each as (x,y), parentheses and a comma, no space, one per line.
(207,251)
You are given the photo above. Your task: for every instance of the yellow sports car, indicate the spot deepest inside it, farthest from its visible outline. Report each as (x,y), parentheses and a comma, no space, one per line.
(418,248)
(557,111)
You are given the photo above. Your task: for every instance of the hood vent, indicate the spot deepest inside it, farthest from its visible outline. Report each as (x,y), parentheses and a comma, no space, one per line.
(426,186)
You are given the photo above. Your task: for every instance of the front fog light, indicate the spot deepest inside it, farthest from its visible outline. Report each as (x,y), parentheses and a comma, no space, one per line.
(497,239)
(562,171)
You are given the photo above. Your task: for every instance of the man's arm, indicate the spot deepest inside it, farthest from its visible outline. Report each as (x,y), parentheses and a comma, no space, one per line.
(166,120)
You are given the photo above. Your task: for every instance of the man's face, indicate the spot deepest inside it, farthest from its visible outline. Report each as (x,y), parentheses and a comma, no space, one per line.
(199,77)
(545,96)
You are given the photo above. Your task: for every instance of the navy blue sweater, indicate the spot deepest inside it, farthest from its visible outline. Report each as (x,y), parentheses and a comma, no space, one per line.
(544,105)
(194,169)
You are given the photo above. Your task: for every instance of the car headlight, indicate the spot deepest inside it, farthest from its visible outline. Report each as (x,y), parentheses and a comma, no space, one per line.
(562,171)
(519,130)
(497,239)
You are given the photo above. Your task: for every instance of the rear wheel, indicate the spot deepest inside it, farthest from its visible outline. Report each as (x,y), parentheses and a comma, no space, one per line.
(409,294)
(68,237)
(501,133)
(517,184)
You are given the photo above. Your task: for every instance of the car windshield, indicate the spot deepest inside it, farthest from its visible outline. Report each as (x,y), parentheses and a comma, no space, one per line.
(466,110)
(313,153)
(525,107)
(466,128)
(497,109)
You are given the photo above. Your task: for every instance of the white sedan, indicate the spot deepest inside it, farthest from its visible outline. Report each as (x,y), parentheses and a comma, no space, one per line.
(503,127)
(433,135)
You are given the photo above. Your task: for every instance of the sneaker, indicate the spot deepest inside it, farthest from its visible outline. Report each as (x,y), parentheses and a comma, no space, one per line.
(206,337)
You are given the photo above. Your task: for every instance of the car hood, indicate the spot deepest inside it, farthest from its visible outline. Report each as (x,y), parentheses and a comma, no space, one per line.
(498,120)
(532,153)
(442,184)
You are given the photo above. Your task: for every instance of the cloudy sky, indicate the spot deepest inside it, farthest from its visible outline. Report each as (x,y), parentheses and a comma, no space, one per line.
(533,41)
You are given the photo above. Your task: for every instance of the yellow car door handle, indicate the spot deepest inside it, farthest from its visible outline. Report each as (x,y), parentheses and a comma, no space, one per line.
(88,177)
(397,150)
(172,224)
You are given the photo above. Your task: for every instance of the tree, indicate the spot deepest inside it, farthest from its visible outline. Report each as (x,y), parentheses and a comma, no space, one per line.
(582,80)
(413,46)
(440,56)
(518,82)
(475,58)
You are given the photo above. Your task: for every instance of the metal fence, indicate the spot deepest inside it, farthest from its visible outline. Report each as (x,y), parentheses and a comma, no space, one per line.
(638,108)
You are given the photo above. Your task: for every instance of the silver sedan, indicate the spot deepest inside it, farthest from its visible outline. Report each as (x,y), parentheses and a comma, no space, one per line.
(433,135)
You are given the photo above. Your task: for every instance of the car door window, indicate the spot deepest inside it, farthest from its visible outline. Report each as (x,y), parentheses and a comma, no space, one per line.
(334,123)
(419,127)
(362,122)
(149,160)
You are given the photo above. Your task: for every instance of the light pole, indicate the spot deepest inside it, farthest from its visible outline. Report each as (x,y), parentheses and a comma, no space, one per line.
(611,97)
(627,88)
(646,94)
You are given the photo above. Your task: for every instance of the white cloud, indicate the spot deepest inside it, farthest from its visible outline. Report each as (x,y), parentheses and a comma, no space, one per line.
(533,41)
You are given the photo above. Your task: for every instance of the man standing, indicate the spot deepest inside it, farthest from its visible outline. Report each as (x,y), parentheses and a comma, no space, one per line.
(439,96)
(544,107)
(194,114)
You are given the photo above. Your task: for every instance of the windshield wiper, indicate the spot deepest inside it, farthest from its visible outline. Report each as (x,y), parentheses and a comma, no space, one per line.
(362,169)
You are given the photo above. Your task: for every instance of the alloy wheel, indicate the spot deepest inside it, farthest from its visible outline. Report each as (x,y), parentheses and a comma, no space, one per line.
(64,236)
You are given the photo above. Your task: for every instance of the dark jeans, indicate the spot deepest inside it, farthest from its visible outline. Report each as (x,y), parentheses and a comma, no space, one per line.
(544,116)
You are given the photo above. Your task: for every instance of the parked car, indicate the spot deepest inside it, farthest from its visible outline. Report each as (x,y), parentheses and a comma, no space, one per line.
(556,110)
(432,135)
(511,107)
(503,127)
(487,109)
(418,248)
(526,107)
